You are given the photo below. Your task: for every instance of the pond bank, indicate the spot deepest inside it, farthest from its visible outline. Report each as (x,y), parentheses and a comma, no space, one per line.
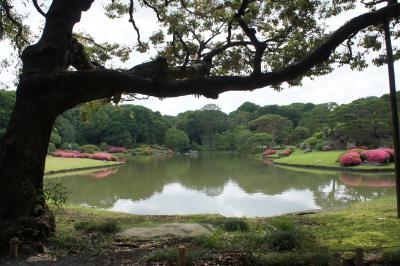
(327,160)
(57,165)
(336,168)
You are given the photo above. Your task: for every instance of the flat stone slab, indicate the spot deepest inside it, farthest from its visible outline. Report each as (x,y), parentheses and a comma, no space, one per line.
(167,231)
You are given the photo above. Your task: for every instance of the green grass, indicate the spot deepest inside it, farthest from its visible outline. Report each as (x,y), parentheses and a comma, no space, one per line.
(323,159)
(59,164)
(370,224)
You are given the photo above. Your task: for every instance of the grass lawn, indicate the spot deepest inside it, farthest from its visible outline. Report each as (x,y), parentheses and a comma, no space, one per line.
(324,159)
(59,164)
(370,224)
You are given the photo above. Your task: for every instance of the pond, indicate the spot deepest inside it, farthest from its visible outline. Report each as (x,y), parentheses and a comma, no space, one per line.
(219,183)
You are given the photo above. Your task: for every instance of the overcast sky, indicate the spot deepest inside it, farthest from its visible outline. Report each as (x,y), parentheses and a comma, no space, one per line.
(341,86)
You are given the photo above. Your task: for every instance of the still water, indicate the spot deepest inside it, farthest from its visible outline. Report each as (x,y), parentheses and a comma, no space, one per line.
(221,183)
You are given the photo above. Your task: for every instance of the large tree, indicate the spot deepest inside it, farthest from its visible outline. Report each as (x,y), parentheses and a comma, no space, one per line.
(205,47)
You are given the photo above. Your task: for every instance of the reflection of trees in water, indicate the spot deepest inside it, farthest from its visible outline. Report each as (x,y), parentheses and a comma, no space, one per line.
(355,188)
(140,179)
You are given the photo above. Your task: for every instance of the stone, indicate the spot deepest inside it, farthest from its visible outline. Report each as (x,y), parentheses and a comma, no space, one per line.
(167,231)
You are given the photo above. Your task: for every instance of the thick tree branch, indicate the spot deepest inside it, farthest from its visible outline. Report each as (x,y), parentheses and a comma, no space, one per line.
(81,86)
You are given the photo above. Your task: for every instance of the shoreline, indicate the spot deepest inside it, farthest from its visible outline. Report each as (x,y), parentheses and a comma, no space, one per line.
(67,170)
(335,168)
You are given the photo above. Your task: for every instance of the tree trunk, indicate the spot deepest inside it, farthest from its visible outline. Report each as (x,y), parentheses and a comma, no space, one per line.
(23,210)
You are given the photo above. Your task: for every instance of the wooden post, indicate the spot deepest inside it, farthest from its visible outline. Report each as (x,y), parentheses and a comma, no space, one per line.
(14,245)
(181,255)
(393,104)
(359,257)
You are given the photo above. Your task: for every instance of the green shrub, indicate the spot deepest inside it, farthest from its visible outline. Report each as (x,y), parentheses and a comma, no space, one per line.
(285,240)
(281,223)
(288,259)
(104,146)
(319,145)
(94,226)
(391,256)
(89,148)
(283,235)
(51,148)
(235,224)
(55,193)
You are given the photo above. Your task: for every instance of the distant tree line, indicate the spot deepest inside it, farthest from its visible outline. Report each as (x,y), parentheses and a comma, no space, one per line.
(364,121)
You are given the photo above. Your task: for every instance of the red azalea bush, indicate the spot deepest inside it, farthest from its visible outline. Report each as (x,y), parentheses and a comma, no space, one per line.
(268,152)
(117,150)
(103,156)
(350,159)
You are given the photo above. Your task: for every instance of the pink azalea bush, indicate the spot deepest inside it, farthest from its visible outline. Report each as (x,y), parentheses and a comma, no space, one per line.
(76,154)
(66,154)
(117,150)
(103,156)
(390,152)
(377,156)
(350,159)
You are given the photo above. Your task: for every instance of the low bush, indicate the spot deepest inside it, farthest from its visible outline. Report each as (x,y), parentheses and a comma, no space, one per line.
(103,157)
(377,156)
(327,148)
(66,154)
(284,240)
(285,153)
(89,148)
(55,193)
(389,151)
(269,152)
(103,146)
(319,146)
(235,224)
(117,150)
(350,159)
(95,226)
(51,148)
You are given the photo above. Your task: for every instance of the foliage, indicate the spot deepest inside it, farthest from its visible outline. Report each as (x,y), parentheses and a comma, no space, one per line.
(55,193)
(109,227)
(235,224)
(284,235)
(51,148)
(89,148)
(278,127)
(350,159)
(176,139)
(7,100)
(253,143)
(391,256)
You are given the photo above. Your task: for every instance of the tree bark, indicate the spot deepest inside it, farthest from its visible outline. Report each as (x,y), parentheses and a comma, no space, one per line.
(23,210)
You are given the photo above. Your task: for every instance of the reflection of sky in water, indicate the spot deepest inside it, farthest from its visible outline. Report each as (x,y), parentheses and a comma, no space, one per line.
(233,201)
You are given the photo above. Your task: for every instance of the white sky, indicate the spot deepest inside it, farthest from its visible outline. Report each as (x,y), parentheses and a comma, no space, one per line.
(341,86)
